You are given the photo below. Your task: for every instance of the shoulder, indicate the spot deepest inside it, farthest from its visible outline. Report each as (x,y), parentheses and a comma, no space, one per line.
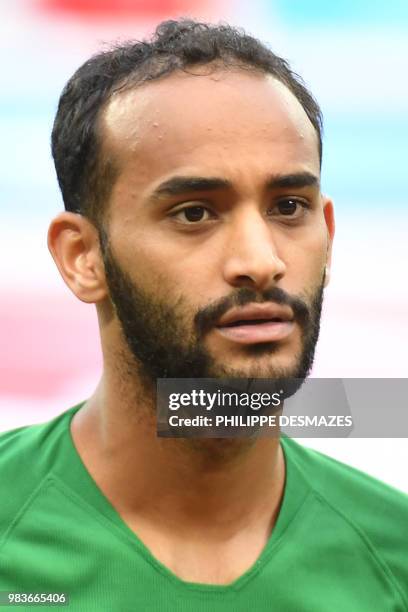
(375,511)
(27,456)
(347,488)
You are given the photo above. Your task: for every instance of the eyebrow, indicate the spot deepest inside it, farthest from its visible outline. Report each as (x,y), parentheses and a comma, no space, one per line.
(293,181)
(180,185)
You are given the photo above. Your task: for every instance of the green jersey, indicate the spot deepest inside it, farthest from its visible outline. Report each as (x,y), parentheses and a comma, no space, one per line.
(340,543)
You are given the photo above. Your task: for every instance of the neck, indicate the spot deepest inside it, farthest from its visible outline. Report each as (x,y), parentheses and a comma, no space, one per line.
(222,483)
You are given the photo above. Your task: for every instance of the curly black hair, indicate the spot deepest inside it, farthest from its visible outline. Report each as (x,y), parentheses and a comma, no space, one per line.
(84,176)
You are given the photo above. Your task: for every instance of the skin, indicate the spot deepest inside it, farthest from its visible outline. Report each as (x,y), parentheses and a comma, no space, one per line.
(197,507)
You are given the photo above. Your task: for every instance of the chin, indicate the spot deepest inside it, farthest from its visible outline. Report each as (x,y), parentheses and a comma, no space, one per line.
(257,367)
(267,360)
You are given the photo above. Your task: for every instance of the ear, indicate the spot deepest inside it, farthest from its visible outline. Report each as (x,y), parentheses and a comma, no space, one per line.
(328,211)
(74,245)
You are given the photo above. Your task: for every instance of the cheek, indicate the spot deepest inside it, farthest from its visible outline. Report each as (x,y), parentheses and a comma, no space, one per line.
(306,257)
(162,269)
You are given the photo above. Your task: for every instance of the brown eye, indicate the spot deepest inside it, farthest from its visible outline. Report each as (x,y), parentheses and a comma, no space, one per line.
(194,214)
(288,207)
(190,215)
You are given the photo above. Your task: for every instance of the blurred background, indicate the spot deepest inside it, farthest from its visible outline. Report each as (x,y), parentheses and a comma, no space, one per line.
(352,54)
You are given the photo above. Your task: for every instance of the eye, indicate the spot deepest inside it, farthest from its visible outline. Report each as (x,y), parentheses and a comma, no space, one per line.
(192,214)
(289,207)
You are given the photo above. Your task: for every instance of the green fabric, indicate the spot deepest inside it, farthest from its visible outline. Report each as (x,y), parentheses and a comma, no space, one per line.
(340,543)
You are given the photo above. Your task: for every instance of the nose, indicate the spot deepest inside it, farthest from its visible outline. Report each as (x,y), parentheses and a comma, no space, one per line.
(252,259)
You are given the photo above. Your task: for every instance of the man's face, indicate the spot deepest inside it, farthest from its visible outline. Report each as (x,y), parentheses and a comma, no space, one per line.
(217,234)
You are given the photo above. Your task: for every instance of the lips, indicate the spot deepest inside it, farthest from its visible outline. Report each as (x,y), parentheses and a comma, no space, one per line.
(256,313)
(257,323)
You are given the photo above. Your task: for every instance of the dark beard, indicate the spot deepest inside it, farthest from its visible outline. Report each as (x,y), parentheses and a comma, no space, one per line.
(155,330)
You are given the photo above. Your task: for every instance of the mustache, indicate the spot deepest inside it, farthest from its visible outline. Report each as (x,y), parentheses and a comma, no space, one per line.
(207,317)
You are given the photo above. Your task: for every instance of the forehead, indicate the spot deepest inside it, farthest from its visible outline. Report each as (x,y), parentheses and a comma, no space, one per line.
(225,122)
